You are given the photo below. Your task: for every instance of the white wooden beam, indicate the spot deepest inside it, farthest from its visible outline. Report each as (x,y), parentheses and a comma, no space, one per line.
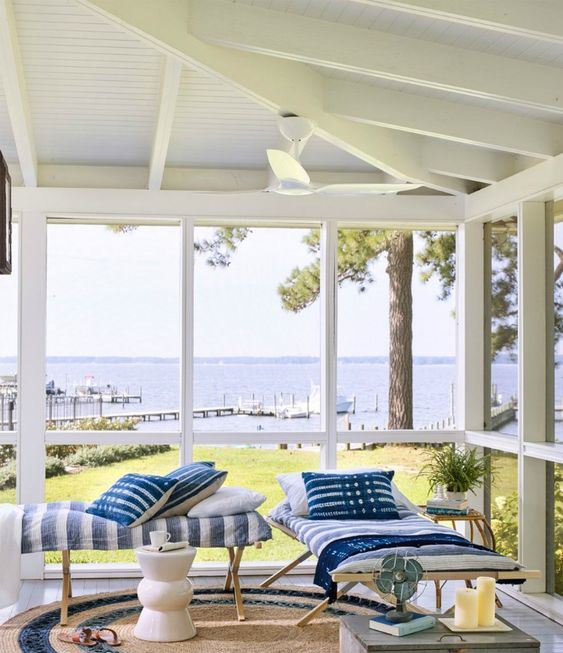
(12,74)
(454,121)
(256,207)
(276,84)
(193,179)
(474,163)
(171,74)
(523,18)
(542,182)
(377,54)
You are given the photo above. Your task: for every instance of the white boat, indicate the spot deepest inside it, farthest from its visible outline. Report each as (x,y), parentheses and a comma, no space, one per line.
(313,406)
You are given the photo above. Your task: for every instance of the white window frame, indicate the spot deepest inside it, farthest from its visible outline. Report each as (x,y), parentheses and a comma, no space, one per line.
(31,360)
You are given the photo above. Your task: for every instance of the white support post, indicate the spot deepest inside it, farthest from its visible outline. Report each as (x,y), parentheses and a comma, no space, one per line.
(470,335)
(328,297)
(31,370)
(187,356)
(532,389)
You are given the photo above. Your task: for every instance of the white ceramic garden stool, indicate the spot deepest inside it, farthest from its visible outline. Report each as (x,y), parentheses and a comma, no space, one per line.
(165,593)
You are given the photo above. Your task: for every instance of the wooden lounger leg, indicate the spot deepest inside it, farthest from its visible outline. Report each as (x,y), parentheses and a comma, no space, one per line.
(438,588)
(235,556)
(284,570)
(324,605)
(229,577)
(67,587)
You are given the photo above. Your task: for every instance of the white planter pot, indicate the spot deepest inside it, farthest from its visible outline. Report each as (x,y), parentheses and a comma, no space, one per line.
(456,496)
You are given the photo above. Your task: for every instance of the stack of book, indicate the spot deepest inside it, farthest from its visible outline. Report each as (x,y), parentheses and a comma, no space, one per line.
(444,506)
(417,623)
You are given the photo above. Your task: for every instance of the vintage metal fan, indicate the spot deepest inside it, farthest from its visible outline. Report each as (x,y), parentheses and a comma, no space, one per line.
(399,576)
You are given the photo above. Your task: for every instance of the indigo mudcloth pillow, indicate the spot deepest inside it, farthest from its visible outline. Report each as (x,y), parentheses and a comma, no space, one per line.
(196,482)
(133,499)
(366,495)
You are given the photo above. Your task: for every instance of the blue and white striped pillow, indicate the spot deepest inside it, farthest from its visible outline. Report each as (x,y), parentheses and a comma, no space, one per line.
(133,499)
(196,482)
(367,495)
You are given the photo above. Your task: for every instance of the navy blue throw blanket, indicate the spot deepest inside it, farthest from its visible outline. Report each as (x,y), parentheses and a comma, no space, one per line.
(336,552)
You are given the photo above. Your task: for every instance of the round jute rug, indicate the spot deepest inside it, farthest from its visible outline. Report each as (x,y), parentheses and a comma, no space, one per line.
(270,626)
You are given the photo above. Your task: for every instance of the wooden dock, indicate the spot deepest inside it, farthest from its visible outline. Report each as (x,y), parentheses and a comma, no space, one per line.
(215,411)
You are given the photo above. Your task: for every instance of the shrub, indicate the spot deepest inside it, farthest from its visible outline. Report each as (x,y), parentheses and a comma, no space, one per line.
(8,474)
(97,424)
(98,456)
(504,520)
(54,466)
(61,451)
(7,454)
(82,456)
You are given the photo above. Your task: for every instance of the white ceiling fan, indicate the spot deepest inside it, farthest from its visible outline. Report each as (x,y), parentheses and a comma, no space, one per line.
(291,178)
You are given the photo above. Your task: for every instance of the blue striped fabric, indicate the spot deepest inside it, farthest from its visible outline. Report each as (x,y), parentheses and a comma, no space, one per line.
(134,498)
(366,495)
(316,535)
(66,526)
(195,482)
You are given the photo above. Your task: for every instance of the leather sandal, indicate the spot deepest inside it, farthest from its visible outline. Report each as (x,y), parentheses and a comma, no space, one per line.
(81,637)
(111,638)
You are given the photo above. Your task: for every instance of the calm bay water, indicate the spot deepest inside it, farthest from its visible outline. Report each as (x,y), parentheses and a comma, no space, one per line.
(224,383)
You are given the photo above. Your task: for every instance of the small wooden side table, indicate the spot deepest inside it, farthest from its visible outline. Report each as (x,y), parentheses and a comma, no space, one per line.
(477,523)
(357,637)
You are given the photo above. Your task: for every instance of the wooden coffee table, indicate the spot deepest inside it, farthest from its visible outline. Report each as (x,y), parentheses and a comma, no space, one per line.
(357,637)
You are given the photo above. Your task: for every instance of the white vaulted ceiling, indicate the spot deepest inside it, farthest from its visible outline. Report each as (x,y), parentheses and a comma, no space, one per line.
(94,86)
(217,126)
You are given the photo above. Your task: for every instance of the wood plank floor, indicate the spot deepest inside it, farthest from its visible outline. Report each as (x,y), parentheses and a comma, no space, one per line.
(34,593)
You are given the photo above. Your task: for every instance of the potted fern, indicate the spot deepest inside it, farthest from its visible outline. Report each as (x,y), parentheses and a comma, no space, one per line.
(459,471)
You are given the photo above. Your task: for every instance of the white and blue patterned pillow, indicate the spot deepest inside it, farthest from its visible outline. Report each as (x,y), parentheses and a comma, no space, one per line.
(196,482)
(134,498)
(366,495)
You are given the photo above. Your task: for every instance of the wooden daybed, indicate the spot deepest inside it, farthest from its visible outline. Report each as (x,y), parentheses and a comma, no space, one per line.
(351,580)
(66,527)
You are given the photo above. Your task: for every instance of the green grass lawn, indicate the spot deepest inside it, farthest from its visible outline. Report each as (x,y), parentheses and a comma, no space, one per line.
(248,467)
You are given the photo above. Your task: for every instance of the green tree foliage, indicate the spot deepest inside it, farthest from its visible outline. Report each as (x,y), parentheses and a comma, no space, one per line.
(357,249)
(222,245)
(505,526)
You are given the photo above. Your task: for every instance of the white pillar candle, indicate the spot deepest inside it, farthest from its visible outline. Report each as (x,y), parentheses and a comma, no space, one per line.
(466,611)
(486,600)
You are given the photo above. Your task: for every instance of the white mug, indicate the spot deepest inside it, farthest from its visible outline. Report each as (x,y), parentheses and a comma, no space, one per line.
(158,538)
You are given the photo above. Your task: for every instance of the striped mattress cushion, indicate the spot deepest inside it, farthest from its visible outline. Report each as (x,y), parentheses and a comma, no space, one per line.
(317,535)
(66,526)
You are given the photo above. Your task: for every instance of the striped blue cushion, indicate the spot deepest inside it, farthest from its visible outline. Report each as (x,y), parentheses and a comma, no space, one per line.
(365,495)
(196,481)
(133,499)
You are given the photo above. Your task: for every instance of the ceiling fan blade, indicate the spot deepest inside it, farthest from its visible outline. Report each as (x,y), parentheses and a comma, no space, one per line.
(286,168)
(358,189)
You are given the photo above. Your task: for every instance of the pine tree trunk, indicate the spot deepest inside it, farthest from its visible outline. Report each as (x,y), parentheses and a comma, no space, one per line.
(399,269)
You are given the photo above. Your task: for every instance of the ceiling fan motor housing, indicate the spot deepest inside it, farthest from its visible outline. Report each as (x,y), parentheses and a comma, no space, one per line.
(296,128)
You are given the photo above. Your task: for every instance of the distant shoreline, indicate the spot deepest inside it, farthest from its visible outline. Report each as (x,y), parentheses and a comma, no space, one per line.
(250,360)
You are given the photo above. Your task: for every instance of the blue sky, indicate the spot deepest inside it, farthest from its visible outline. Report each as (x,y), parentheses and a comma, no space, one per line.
(118,294)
